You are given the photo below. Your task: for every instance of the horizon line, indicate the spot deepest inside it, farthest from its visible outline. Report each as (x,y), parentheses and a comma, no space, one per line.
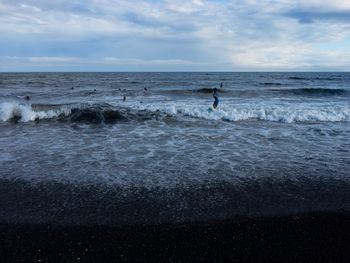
(192,71)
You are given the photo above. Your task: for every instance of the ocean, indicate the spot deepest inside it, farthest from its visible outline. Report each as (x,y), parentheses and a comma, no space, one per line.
(77,153)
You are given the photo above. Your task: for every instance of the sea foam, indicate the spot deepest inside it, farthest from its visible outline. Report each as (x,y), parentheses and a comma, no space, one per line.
(24,112)
(285,113)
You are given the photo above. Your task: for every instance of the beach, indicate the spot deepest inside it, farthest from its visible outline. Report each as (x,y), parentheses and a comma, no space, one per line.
(314,237)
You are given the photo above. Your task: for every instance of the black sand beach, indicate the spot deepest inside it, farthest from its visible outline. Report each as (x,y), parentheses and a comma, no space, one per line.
(312,237)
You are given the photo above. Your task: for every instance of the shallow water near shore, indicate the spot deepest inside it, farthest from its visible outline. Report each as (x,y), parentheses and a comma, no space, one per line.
(76,153)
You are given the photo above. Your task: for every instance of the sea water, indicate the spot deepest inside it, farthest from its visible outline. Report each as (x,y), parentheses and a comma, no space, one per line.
(77,152)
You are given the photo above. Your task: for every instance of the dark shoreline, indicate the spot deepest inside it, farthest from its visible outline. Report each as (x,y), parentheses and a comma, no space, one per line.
(311,237)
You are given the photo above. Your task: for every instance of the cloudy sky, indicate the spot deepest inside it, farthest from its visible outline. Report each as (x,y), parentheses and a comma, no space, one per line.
(175,35)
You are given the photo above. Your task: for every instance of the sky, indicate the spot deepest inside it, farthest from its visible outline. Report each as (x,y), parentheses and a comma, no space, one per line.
(174,35)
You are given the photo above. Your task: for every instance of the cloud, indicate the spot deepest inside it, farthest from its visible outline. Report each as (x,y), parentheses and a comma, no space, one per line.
(84,64)
(176,34)
(309,11)
(314,15)
(52,59)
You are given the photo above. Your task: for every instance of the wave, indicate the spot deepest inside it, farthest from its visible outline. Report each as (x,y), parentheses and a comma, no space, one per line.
(201,90)
(271,83)
(206,90)
(17,112)
(298,78)
(313,91)
(251,112)
(193,91)
(281,114)
(104,113)
(94,115)
(317,78)
(288,114)
(274,88)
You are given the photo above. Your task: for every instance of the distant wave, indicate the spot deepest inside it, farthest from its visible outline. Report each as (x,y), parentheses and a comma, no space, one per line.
(298,78)
(200,90)
(319,78)
(310,78)
(193,91)
(205,90)
(271,83)
(275,90)
(313,91)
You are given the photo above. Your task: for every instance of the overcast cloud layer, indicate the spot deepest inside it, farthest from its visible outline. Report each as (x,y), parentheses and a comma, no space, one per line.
(174,35)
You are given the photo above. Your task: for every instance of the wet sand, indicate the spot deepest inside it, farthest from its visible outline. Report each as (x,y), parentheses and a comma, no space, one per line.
(313,237)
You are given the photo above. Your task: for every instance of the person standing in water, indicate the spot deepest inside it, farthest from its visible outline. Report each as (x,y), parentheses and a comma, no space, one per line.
(216,99)
(215,95)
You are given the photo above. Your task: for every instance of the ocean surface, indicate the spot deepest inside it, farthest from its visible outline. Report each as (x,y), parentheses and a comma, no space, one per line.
(76,153)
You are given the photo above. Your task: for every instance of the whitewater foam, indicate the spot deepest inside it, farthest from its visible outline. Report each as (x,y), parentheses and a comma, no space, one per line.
(24,112)
(285,113)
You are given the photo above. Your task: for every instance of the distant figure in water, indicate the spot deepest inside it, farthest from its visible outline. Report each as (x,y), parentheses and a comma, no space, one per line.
(27,98)
(145,88)
(124,98)
(216,99)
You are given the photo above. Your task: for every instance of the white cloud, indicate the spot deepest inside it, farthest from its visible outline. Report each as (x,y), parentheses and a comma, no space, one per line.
(53,59)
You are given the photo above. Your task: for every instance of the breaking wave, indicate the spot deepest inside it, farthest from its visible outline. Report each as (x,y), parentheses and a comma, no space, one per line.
(16,112)
(105,113)
(286,114)
(248,112)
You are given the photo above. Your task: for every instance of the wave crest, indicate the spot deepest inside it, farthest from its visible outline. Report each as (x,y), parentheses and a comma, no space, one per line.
(17,112)
(312,92)
(97,113)
(14,112)
(249,112)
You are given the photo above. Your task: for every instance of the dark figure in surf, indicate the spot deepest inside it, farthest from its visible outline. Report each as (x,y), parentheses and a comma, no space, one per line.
(124,98)
(216,99)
